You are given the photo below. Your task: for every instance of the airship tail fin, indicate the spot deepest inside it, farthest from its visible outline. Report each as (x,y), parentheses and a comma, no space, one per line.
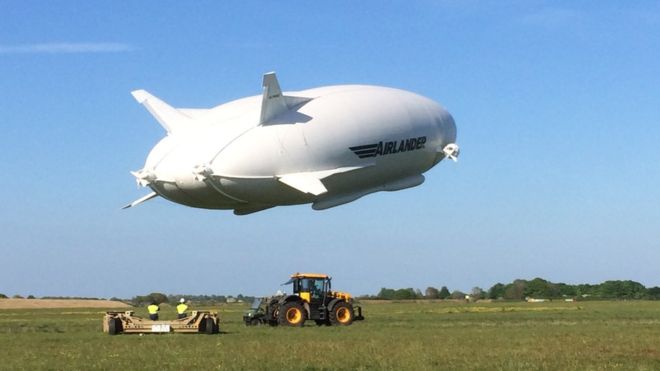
(169,117)
(311,182)
(304,182)
(274,102)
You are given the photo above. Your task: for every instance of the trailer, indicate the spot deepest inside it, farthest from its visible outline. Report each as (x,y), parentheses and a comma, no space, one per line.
(199,321)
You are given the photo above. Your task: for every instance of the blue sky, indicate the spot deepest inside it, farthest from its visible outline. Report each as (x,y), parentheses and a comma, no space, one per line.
(557,106)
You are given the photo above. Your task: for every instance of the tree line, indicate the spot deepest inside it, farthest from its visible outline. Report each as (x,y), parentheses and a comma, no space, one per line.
(519,289)
(537,288)
(160,298)
(155,297)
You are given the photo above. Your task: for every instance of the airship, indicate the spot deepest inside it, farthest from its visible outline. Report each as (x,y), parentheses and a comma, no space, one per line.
(324,146)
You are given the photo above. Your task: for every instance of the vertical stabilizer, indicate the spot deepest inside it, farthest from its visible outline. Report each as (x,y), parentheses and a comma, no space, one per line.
(274,102)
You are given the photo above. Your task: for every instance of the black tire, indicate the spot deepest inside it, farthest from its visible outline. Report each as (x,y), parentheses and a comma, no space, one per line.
(209,326)
(114,326)
(255,322)
(292,314)
(341,314)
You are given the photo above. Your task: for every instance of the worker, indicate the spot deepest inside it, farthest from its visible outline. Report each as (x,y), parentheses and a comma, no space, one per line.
(181,308)
(153,311)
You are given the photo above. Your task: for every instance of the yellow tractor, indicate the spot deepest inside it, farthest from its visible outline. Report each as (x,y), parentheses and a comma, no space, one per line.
(312,299)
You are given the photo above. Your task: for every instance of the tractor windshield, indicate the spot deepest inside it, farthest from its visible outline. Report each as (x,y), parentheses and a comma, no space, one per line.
(317,288)
(256,303)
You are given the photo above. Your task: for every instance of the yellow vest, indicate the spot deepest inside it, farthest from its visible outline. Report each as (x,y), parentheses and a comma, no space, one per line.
(153,309)
(181,308)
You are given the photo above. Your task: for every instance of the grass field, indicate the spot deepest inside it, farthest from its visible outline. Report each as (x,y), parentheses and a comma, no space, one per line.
(558,335)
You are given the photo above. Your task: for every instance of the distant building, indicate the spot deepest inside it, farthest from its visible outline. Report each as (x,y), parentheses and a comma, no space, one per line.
(533,300)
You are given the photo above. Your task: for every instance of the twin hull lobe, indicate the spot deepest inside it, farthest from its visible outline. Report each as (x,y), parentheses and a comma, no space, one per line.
(387,135)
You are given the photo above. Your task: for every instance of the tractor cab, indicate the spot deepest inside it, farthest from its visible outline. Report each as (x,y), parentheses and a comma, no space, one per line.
(311,287)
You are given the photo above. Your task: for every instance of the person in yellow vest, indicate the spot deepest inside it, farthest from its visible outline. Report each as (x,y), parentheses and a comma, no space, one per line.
(181,308)
(153,309)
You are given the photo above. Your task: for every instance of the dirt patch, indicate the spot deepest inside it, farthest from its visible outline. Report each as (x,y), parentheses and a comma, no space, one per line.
(59,303)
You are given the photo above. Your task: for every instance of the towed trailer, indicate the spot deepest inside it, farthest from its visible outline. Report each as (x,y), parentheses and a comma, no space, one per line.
(199,321)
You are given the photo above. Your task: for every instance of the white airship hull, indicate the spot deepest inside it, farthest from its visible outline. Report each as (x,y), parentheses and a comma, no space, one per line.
(325,146)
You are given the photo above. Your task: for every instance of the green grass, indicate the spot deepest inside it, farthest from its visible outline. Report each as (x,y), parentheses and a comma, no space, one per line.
(558,335)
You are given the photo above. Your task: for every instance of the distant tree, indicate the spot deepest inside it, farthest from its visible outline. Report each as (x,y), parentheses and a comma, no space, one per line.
(399,294)
(457,295)
(444,293)
(31,297)
(586,290)
(405,294)
(3,296)
(140,300)
(431,293)
(653,293)
(515,290)
(622,290)
(540,288)
(154,297)
(158,297)
(17,296)
(386,294)
(497,291)
(567,290)
(477,293)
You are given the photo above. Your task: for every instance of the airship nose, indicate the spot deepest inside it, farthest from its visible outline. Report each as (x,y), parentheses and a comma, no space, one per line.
(448,127)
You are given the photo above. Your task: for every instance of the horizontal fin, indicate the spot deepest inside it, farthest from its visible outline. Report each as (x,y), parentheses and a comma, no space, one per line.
(304,182)
(169,117)
(310,182)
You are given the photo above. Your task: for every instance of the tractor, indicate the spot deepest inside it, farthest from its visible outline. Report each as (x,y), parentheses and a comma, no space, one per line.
(312,299)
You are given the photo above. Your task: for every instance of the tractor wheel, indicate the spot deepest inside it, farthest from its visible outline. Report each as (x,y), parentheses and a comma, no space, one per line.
(114,326)
(209,326)
(292,314)
(255,322)
(341,314)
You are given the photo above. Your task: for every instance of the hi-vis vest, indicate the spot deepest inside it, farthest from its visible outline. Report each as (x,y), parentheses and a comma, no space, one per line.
(153,309)
(181,308)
